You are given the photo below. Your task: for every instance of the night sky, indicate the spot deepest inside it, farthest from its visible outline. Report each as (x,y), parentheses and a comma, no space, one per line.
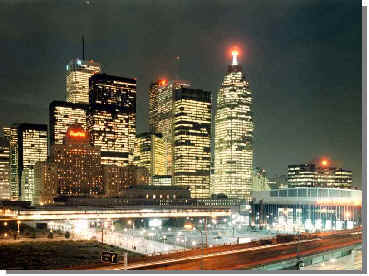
(302,59)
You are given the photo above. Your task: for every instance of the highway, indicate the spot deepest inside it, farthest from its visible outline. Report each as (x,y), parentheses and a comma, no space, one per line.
(167,261)
(236,257)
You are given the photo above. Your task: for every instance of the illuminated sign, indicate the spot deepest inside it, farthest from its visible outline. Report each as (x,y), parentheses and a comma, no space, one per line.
(80,134)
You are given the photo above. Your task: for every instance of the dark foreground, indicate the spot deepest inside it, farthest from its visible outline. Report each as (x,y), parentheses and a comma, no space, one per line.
(61,254)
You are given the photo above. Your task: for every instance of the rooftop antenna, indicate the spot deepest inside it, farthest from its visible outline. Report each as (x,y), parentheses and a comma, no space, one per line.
(83,47)
(178,60)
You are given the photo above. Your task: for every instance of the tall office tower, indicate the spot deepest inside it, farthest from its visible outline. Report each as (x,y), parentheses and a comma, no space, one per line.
(4,169)
(191,140)
(77,79)
(111,120)
(28,144)
(11,135)
(161,114)
(106,89)
(149,153)
(233,152)
(61,116)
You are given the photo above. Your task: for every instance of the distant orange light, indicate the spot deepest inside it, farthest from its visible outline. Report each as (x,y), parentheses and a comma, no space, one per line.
(163,82)
(324,163)
(80,134)
(235,53)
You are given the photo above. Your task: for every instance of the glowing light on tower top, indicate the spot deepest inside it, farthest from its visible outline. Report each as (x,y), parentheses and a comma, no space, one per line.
(234,57)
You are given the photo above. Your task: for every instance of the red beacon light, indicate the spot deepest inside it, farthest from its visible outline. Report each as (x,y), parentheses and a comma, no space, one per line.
(163,82)
(324,163)
(235,53)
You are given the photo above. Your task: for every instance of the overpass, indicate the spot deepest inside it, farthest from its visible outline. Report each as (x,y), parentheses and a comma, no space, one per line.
(85,212)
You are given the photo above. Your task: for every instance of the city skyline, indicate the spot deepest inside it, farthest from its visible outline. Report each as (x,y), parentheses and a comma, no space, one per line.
(315,73)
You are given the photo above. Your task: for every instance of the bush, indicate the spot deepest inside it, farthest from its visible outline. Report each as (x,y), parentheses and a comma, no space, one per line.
(67,235)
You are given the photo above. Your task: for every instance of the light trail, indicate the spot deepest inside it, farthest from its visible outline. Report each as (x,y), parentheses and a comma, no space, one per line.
(166,261)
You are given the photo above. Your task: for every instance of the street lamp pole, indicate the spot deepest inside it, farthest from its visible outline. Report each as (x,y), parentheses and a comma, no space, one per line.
(206,231)
(102,232)
(18,222)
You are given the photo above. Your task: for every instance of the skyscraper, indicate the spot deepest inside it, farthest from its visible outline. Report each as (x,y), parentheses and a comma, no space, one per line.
(149,153)
(77,79)
(234,127)
(12,136)
(61,116)
(28,144)
(191,140)
(161,114)
(4,169)
(111,119)
(113,90)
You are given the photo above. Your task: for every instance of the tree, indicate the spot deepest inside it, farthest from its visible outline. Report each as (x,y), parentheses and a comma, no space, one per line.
(67,235)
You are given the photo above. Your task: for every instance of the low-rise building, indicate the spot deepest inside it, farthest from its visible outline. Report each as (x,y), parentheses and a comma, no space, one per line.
(260,181)
(307,209)
(318,175)
(118,179)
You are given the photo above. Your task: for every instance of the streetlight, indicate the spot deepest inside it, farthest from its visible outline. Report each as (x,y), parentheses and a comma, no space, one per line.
(5,223)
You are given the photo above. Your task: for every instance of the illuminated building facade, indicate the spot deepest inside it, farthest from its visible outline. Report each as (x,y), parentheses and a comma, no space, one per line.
(61,116)
(77,165)
(162,180)
(11,135)
(113,90)
(45,188)
(191,140)
(149,152)
(118,179)
(77,79)
(28,145)
(111,120)
(161,114)
(114,131)
(307,209)
(4,169)
(313,175)
(233,137)
(260,181)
